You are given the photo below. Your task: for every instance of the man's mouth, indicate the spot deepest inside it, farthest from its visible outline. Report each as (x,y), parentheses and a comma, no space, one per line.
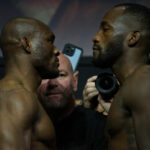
(52,93)
(96,48)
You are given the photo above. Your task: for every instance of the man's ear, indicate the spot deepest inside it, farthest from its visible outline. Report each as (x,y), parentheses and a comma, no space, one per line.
(75,80)
(133,38)
(25,44)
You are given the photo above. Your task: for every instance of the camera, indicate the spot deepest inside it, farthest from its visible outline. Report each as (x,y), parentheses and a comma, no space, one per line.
(107,84)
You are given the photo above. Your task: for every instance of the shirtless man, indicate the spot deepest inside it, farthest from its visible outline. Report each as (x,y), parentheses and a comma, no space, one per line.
(123,43)
(30,56)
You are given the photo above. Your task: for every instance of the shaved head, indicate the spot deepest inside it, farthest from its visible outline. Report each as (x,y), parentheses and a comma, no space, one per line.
(18,27)
(32,40)
(65,62)
(139,14)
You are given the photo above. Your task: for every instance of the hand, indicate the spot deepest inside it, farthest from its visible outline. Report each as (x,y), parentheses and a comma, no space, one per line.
(103,105)
(90,92)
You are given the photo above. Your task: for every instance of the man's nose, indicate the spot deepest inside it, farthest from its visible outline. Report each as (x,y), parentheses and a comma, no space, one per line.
(56,51)
(96,38)
(52,83)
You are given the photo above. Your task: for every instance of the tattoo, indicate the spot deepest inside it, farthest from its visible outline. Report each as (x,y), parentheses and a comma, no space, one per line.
(131,138)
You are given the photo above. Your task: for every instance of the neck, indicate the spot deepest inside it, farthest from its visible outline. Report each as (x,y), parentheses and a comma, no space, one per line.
(59,114)
(127,64)
(20,70)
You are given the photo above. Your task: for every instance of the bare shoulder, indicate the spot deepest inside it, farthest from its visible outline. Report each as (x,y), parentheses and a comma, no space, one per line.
(142,71)
(140,77)
(136,89)
(19,103)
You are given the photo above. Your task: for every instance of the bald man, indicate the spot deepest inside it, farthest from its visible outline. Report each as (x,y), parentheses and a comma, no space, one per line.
(27,46)
(76,127)
(57,95)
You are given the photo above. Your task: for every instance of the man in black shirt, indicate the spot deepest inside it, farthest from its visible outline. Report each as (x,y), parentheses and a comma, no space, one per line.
(82,130)
(76,127)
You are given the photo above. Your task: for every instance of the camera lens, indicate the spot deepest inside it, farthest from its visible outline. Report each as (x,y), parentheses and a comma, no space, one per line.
(106,82)
(107,85)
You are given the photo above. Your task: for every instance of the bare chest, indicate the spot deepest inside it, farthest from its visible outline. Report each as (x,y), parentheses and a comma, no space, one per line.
(120,129)
(43,133)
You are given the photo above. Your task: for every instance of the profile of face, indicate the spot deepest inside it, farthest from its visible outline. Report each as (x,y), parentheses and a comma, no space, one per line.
(45,54)
(57,93)
(108,42)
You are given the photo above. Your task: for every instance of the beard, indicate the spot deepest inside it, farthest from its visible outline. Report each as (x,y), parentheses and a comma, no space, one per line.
(110,55)
(57,102)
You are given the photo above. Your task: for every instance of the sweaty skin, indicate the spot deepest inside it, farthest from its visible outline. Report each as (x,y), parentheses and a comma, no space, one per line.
(128,125)
(30,55)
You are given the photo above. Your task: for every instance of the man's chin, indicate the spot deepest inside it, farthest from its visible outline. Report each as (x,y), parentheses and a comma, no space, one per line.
(54,105)
(101,64)
(96,62)
(54,101)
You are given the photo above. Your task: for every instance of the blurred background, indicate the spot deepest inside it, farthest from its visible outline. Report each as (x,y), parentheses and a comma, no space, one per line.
(72,21)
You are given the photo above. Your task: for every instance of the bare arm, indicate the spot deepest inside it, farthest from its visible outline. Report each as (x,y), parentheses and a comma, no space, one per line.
(17,115)
(138,102)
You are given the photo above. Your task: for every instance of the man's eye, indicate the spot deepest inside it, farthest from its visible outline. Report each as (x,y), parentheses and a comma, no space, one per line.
(106,28)
(50,40)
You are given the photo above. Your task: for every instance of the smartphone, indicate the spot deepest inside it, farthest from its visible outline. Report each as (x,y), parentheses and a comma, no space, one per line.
(73,53)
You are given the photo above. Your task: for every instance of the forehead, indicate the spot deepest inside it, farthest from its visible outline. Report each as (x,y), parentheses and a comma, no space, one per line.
(64,64)
(113,15)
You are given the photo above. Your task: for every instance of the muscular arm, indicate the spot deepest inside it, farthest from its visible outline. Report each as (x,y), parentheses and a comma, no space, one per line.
(17,115)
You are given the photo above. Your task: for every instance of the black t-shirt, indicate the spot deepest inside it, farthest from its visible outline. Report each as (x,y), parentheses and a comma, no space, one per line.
(82,130)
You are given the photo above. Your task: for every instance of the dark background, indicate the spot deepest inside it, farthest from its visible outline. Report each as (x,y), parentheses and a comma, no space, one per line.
(72,21)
